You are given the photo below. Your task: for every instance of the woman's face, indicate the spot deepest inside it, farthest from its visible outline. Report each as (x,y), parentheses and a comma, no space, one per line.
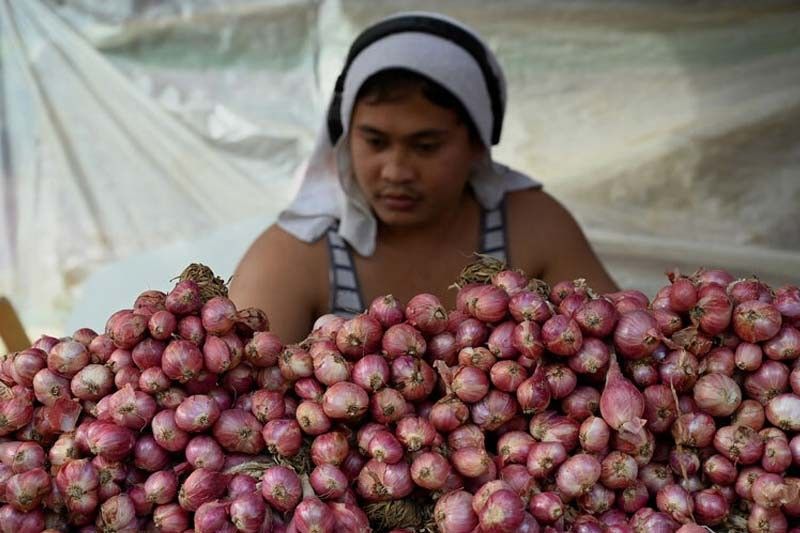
(411,158)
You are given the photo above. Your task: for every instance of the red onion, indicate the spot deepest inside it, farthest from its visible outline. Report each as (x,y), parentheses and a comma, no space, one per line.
(127,376)
(267,405)
(717,395)
(544,458)
(92,382)
(618,470)
(740,444)
(403,339)
(676,502)
(382,482)
(785,345)
(659,408)
(582,403)
(170,518)
(119,359)
(170,398)
(694,429)
(514,447)
(594,434)
(218,315)
(387,405)
(161,487)
(415,432)
(546,507)
(561,380)
(682,295)
(469,383)
(26,490)
(387,310)
(527,339)
(577,475)
(67,357)
(794,380)
(633,497)
(148,455)
(511,281)
(117,514)
(783,411)
(748,356)
(328,481)
(470,333)
(755,321)
(430,470)
(371,372)
(712,314)
(312,418)
(132,409)
(562,336)
(184,298)
(533,394)
(765,520)
(787,301)
(161,325)
(448,413)
(283,437)
(167,433)
(153,380)
(249,512)
(507,375)
(345,401)
(295,363)
(596,317)
(656,476)
(636,335)
(503,512)
(692,340)
(453,513)
(487,303)
(100,348)
(443,347)
(470,461)
(281,488)
(769,490)
(263,350)
(777,456)
(78,482)
(304,388)
(500,342)
(330,448)
(466,436)
(480,358)
(110,441)
(494,410)
(182,360)
(126,329)
(413,377)
(359,336)
(621,403)
(313,516)
(591,358)
(770,380)
(202,485)
(597,500)
(750,413)
(721,360)
(26,364)
(238,431)
(426,313)
(527,305)
(348,517)
(190,328)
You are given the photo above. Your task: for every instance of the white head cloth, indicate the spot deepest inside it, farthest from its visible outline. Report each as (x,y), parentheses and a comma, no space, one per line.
(326,190)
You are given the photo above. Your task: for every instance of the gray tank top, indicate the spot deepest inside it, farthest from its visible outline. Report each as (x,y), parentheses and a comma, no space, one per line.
(345,292)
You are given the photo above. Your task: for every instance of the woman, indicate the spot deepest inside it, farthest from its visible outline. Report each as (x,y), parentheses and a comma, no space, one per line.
(401,189)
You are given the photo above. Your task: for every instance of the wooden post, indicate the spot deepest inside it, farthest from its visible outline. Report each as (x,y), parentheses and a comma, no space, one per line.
(11,330)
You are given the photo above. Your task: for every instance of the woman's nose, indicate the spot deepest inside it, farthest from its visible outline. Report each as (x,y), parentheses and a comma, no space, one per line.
(396,169)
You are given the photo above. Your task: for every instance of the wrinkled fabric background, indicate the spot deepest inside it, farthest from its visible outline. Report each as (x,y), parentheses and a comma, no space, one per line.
(137,136)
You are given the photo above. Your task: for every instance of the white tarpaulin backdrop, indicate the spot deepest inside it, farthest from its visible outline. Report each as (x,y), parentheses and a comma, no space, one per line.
(137,136)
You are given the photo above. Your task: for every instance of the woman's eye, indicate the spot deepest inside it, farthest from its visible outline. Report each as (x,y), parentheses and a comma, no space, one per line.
(427,148)
(375,142)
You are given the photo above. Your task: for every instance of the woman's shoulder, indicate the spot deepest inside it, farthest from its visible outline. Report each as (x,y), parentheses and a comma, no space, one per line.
(284,276)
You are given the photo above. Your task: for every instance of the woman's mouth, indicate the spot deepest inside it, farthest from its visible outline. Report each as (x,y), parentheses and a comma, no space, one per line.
(398,202)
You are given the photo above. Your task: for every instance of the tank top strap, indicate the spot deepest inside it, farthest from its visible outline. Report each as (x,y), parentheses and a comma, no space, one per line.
(493,238)
(345,292)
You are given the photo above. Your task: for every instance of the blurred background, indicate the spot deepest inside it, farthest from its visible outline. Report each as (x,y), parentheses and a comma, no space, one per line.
(137,136)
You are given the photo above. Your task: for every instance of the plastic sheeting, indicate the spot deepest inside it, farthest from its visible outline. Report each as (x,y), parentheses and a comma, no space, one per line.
(142,134)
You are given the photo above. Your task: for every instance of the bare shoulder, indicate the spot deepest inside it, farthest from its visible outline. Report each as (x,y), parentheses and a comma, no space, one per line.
(284,276)
(546,241)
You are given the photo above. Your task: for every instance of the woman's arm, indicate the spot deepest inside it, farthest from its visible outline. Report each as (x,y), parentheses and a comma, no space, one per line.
(548,242)
(281,276)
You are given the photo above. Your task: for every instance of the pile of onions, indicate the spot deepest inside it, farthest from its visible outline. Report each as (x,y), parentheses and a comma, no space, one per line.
(527,408)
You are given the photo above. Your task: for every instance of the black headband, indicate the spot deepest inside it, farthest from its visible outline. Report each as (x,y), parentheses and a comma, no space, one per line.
(421,24)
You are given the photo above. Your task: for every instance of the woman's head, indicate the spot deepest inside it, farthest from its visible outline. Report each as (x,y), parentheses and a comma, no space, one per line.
(412,147)
(420,99)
